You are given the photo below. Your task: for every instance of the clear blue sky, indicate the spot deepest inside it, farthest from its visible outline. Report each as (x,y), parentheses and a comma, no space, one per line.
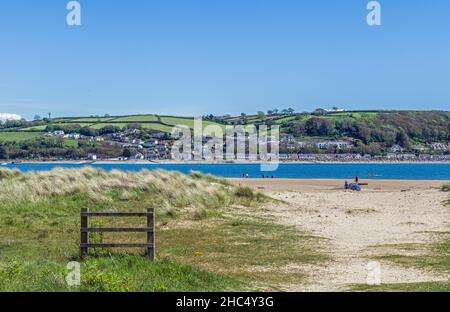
(192,57)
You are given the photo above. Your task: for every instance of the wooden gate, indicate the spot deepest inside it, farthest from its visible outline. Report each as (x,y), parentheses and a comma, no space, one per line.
(150,230)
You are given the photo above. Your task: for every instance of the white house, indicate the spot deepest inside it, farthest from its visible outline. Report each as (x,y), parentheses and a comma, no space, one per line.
(439,147)
(338,144)
(396,149)
(58,133)
(139,156)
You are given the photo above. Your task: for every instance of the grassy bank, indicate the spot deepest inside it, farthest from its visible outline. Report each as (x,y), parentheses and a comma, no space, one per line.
(211,236)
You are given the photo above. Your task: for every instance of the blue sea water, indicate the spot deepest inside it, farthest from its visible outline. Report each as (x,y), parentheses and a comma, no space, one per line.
(430,171)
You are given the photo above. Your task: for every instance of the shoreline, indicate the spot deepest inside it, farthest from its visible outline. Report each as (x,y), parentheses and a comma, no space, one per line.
(147,162)
(320,185)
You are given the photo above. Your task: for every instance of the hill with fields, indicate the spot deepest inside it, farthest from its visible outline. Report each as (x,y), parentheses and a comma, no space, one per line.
(371,132)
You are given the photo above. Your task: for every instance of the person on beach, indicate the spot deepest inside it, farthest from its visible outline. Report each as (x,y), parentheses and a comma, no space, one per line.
(346,186)
(356,179)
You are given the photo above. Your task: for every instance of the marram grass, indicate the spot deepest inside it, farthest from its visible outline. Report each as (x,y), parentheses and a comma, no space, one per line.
(198,247)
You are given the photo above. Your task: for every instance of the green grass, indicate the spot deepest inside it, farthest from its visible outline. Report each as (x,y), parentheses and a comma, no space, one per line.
(42,128)
(71,143)
(102,125)
(408,287)
(141,118)
(164,124)
(153,126)
(81,119)
(91,119)
(188,122)
(19,136)
(35,128)
(157,127)
(224,245)
(118,273)
(206,230)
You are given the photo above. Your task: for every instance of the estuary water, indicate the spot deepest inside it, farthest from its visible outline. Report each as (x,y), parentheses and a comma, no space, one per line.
(431,171)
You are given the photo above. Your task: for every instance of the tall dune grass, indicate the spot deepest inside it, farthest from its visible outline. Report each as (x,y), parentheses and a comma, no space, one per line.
(167,190)
(206,230)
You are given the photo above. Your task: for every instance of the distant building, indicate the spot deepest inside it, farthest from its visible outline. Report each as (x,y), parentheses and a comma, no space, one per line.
(396,149)
(338,144)
(288,139)
(439,146)
(419,148)
(151,143)
(335,110)
(152,155)
(161,147)
(139,156)
(424,157)
(58,133)
(74,136)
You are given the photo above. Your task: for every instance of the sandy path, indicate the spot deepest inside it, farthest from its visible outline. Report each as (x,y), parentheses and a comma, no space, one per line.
(386,212)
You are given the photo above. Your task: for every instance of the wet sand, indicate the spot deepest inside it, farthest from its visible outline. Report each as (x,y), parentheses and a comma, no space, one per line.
(306,185)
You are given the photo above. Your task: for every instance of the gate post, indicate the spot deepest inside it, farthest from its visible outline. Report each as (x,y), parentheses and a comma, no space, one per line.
(84,233)
(151,233)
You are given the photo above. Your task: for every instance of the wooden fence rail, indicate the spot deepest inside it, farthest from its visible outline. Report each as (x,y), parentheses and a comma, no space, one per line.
(150,230)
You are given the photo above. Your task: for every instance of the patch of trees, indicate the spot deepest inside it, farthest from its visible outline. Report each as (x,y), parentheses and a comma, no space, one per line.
(83,130)
(49,148)
(11,124)
(403,128)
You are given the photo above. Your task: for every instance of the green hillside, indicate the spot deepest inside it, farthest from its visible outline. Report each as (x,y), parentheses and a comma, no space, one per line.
(18,136)
(367,127)
(404,128)
(151,122)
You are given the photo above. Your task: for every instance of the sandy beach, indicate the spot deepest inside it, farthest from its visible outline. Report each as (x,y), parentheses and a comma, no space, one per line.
(358,226)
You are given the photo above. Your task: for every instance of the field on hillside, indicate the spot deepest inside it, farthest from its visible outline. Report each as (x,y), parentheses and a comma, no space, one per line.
(18,136)
(157,123)
(206,230)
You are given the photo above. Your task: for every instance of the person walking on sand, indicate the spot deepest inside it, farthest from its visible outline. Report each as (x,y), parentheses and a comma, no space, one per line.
(346,186)
(357,179)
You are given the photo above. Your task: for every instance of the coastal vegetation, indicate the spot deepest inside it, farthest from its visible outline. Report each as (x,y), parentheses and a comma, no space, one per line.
(211,236)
